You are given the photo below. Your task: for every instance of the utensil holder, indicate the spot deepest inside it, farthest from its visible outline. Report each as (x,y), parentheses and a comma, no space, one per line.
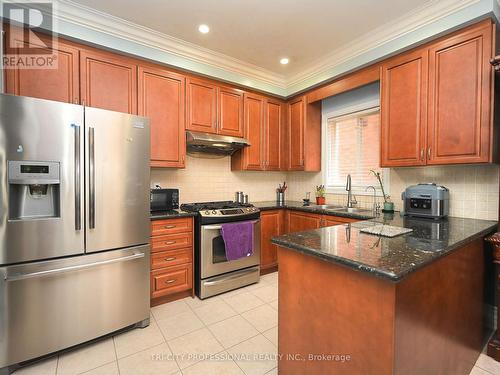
(280,198)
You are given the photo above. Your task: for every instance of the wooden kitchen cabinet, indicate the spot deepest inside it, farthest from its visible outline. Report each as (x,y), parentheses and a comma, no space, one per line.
(161,98)
(271,224)
(274,135)
(460,92)
(329,220)
(60,84)
(304,135)
(301,221)
(263,124)
(108,81)
(404,110)
(171,259)
(201,102)
(214,109)
(436,102)
(252,157)
(230,112)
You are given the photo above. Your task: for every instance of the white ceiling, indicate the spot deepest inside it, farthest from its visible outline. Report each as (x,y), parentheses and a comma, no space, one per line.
(260,32)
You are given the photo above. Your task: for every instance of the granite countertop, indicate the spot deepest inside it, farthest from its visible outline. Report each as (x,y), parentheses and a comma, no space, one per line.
(313,208)
(388,258)
(172,214)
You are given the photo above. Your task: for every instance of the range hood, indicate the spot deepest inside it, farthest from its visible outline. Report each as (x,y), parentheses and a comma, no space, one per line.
(213,145)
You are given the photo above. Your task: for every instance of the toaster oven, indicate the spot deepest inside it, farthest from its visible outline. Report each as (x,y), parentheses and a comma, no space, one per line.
(426,200)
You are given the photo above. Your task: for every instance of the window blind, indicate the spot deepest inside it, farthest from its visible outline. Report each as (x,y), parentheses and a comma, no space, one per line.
(353,147)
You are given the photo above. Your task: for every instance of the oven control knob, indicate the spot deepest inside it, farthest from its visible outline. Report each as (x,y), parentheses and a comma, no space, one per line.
(214,212)
(207,212)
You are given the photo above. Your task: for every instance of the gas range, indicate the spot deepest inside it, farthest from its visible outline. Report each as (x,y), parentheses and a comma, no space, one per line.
(222,209)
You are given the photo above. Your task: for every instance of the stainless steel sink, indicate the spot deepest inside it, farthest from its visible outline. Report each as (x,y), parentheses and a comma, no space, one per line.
(351,210)
(330,207)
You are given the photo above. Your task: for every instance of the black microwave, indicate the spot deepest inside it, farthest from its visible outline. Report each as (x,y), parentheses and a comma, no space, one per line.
(164,199)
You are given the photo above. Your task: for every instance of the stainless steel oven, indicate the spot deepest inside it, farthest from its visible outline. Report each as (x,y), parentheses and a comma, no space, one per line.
(214,273)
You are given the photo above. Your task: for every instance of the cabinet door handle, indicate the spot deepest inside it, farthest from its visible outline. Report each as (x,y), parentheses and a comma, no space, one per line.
(170,259)
(169,226)
(170,242)
(422,154)
(429,153)
(170,281)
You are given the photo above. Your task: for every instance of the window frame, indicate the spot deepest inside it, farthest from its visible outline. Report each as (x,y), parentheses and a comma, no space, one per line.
(367,106)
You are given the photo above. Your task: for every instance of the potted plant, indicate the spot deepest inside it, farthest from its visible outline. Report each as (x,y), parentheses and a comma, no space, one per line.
(388,204)
(320,194)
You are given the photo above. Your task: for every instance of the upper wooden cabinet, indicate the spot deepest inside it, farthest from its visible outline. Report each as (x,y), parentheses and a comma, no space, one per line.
(201,100)
(108,81)
(161,98)
(274,135)
(460,92)
(437,101)
(214,109)
(404,110)
(60,83)
(304,135)
(230,110)
(263,127)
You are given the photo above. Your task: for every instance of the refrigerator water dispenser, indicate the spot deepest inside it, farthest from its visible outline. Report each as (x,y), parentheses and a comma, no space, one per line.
(34,190)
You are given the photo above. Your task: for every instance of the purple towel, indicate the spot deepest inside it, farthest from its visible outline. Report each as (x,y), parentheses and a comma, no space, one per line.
(238,238)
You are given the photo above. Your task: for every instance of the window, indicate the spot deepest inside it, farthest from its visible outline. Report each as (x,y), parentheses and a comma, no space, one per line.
(352,145)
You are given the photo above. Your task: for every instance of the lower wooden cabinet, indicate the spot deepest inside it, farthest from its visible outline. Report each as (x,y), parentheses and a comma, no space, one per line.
(271,224)
(300,221)
(171,257)
(171,280)
(330,221)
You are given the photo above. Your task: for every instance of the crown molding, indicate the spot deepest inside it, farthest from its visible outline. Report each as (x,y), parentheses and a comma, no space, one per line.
(426,14)
(87,17)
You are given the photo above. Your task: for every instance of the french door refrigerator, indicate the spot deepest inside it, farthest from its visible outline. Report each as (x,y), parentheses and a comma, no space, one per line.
(74,225)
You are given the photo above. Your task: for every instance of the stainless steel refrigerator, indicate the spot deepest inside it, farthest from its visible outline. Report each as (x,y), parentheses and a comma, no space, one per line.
(74,225)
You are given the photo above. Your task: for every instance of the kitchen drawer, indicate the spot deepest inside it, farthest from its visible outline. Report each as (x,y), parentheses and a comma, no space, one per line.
(171,280)
(168,258)
(171,242)
(171,226)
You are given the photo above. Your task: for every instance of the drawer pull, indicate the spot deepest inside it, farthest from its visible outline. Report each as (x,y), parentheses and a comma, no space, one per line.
(169,226)
(170,242)
(170,281)
(170,259)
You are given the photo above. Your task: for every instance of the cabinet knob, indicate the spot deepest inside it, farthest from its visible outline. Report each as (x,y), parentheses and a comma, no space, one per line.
(170,259)
(169,226)
(170,281)
(429,153)
(169,242)
(422,152)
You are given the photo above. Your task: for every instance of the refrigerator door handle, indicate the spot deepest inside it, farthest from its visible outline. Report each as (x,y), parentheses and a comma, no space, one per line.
(71,268)
(91,178)
(78,192)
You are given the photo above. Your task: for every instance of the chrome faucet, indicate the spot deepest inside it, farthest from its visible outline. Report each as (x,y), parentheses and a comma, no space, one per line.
(351,201)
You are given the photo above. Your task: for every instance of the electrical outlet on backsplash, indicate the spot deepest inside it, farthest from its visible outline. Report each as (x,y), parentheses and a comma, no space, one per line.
(474,189)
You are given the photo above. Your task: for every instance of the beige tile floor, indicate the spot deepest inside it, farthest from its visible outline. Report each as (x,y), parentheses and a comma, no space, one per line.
(235,333)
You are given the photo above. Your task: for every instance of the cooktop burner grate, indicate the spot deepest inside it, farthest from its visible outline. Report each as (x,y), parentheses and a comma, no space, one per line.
(197,207)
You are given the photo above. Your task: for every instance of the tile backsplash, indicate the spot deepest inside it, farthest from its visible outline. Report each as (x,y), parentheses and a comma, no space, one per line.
(212,179)
(474,190)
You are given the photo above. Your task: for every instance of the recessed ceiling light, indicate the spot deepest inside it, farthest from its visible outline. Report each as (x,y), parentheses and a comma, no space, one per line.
(203,28)
(284,61)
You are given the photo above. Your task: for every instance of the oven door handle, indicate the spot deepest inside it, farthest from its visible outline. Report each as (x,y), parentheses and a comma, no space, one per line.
(219,227)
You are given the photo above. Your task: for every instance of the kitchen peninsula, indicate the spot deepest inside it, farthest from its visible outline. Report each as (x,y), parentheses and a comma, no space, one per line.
(411,304)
